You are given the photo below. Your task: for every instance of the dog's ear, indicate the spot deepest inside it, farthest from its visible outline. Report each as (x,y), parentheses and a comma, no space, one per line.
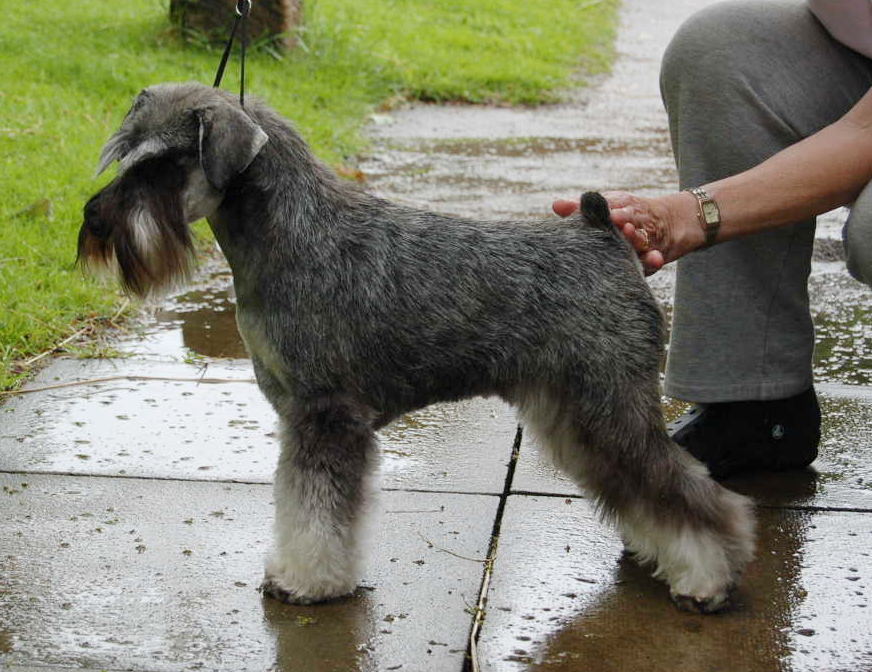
(228,142)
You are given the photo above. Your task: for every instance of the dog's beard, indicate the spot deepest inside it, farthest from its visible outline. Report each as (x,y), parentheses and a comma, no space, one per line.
(137,227)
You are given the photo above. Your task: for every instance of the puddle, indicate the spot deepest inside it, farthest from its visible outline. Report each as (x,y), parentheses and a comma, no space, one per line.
(207,322)
(563,598)
(843,325)
(200,323)
(843,352)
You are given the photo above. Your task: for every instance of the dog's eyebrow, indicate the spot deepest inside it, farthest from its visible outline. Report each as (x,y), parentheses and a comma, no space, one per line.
(147,148)
(138,102)
(114,150)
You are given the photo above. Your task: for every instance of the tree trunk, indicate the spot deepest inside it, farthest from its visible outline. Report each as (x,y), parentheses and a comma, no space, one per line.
(213,19)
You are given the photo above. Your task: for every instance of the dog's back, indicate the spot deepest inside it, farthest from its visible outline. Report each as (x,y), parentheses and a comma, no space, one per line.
(431,307)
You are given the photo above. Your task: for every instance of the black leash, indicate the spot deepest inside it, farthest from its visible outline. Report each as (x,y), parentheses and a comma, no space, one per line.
(243,9)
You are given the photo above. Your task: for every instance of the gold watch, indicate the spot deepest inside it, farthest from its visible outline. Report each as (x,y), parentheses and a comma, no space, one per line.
(708,214)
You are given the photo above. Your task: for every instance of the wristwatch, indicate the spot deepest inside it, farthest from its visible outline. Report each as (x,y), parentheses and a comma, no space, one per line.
(707,213)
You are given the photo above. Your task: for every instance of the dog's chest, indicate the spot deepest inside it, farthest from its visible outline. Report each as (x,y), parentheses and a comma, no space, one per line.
(260,346)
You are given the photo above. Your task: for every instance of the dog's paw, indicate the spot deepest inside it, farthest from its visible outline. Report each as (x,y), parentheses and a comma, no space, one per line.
(272,587)
(702,605)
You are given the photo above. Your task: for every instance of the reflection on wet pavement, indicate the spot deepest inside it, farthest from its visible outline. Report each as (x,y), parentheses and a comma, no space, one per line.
(208,323)
(137,511)
(565,599)
(139,574)
(177,428)
(842,311)
(198,323)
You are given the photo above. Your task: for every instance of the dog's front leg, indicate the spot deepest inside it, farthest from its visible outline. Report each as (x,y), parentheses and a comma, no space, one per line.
(328,449)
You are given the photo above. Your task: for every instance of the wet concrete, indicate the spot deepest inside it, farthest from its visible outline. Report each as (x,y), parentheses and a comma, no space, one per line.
(843,325)
(196,326)
(106,573)
(171,426)
(563,598)
(137,511)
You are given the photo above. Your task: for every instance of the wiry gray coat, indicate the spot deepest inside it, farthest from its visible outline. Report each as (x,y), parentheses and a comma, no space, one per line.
(356,310)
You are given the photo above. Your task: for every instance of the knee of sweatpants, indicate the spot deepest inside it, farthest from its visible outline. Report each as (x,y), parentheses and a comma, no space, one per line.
(857,237)
(728,45)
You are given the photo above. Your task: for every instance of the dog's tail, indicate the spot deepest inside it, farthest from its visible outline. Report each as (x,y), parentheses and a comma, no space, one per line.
(595,210)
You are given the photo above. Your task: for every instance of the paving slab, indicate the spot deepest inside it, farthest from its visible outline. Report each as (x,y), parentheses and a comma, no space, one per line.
(563,598)
(198,323)
(135,574)
(74,597)
(841,477)
(177,428)
(842,311)
(513,162)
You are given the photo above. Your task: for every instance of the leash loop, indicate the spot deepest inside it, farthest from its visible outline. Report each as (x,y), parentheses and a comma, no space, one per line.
(240,22)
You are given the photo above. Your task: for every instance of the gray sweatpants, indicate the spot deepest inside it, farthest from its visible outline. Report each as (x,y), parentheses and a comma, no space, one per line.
(741,81)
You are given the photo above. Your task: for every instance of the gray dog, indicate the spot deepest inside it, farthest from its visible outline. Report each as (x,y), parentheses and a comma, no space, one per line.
(356,310)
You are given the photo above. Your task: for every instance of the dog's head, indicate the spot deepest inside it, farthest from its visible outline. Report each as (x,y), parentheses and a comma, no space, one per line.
(178,149)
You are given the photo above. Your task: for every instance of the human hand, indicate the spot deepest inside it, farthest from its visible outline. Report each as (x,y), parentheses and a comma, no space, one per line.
(650,225)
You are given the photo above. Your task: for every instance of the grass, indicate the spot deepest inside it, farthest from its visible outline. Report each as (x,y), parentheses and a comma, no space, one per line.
(70,70)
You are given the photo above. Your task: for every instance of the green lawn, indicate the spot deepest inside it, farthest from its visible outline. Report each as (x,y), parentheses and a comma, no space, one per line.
(70,70)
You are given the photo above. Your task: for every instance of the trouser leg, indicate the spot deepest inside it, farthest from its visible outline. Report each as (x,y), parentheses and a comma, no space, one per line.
(857,236)
(741,81)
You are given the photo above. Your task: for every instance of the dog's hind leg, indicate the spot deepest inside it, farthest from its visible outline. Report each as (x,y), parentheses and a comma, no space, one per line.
(669,511)
(328,449)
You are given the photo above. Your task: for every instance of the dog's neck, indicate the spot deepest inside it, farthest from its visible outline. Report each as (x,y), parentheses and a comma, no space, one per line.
(305,197)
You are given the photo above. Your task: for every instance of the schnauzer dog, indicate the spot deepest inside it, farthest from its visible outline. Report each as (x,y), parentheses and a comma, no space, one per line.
(356,310)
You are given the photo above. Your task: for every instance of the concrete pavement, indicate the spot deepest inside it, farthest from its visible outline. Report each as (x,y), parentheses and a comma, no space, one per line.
(137,509)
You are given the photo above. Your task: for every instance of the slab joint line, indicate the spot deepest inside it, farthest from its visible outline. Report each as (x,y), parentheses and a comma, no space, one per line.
(471,663)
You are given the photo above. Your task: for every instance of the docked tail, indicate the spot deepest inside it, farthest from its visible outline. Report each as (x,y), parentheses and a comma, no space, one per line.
(595,210)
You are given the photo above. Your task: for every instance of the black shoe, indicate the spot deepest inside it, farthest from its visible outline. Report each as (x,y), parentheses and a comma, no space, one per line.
(752,435)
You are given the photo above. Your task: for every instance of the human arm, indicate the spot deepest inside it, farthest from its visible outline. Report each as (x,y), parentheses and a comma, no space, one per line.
(817,174)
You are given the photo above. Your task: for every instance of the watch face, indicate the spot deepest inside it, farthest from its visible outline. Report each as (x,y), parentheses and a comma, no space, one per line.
(710,212)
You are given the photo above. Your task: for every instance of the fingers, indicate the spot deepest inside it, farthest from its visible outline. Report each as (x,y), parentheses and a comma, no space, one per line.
(615,199)
(632,218)
(625,209)
(638,238)
(564,208)
(652,261)
(620,204)
(624,215)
